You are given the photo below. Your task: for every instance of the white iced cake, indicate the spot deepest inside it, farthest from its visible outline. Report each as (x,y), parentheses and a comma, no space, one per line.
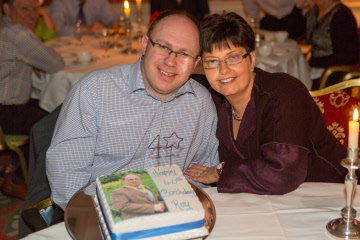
(182,218)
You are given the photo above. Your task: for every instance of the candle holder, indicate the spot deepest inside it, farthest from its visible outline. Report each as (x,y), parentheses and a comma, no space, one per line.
(128,50)
(138,36)
(347,227)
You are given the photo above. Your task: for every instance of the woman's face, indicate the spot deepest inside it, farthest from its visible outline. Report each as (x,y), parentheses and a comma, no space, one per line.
(227,79)
(322,4)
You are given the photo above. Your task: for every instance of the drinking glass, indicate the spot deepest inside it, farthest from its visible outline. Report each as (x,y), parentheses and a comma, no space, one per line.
(78,32)
(106,41)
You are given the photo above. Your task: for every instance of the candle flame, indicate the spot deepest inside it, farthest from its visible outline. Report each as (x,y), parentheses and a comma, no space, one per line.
(138,1)
(126,4)
(355,115)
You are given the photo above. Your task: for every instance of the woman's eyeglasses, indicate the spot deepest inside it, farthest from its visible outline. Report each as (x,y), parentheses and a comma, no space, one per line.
(232,60)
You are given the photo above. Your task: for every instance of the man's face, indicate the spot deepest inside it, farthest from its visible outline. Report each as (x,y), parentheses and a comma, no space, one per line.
(23,12)
(132,180)
(164,74)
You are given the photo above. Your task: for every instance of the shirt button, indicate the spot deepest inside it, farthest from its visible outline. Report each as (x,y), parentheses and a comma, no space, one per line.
(155,131)
(150,158)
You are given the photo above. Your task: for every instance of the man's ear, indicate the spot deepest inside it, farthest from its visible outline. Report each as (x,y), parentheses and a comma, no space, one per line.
(7,9)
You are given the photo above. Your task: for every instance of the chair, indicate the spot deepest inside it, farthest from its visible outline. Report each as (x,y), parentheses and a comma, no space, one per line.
(337,107)
(13,143)
(340,73)
(38,195)
(343,73)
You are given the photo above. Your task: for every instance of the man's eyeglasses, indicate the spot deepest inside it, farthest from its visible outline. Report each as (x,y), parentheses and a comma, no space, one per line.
(164,50)
(232,60)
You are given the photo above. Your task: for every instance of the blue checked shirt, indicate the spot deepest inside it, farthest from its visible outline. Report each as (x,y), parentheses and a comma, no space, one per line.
(110,123)
(20,52)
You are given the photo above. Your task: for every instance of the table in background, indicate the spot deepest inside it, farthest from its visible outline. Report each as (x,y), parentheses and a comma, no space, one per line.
(52,89)
(286,57)
(301,214)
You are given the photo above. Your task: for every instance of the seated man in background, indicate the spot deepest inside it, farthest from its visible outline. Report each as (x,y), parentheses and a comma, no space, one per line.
(94,15)
(21,53)
(135,116)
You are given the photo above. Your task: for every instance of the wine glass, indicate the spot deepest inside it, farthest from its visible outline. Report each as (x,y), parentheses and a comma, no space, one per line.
(106,40)
(78,32)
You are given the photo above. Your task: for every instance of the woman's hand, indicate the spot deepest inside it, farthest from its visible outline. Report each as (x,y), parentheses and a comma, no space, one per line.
(202,174)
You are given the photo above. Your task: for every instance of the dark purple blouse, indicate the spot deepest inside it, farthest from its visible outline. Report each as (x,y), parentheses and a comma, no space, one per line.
(282,140)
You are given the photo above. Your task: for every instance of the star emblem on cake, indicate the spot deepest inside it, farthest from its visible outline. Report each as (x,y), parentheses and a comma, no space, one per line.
(173,141)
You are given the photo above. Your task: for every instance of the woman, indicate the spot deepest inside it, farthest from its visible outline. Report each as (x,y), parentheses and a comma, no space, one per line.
(272,135)
(331,29)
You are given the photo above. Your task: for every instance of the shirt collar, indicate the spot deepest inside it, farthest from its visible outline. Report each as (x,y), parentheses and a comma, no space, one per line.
(136,82)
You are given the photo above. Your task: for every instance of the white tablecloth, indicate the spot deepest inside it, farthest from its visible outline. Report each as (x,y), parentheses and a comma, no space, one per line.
(286,57)
(301,214)
(51,89)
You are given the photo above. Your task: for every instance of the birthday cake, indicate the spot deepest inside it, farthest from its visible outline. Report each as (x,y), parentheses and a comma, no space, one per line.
(155,203)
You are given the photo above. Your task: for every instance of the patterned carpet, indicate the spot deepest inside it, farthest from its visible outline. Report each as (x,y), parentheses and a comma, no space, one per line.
(10,209)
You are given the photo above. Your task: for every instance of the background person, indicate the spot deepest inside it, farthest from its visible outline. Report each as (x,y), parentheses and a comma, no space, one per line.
(135,199)
(136,116)
(332,31)
(272,134)
(45,28)
(279,15)
(95,15)
(21,54)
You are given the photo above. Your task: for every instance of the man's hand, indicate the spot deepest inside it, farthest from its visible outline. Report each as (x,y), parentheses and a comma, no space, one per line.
(37,72)
(160,207)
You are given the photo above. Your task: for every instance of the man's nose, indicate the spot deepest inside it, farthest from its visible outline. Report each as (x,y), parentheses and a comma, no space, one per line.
(170,59)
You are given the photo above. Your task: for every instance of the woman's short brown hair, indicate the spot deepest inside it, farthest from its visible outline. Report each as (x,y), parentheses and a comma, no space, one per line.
(216,31)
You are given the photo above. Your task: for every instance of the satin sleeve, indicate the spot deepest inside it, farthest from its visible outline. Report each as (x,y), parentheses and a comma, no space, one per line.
(277,171)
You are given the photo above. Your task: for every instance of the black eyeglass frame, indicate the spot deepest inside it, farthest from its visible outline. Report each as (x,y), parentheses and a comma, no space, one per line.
(172,51)
(225,60)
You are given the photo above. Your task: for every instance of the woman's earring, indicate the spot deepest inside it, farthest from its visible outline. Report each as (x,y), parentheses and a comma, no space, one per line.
(252,69)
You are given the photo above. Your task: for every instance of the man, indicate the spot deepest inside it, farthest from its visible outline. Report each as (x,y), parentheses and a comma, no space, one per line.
(135,199)
(136,116)
(94,15)
(21,54)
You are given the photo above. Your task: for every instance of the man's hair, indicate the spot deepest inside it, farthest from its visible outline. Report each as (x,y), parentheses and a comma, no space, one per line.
(167,13)
(216,31)
(123,177)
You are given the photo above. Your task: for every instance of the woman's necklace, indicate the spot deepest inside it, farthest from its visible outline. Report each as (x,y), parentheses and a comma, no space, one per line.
(236,117)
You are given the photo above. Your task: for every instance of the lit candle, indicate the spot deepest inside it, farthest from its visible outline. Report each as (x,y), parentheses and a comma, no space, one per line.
(127,9)
(138,4)
(354,131)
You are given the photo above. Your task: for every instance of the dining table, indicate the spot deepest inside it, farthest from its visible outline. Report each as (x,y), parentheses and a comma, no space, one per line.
(297,215)
(51,89)
(285,56)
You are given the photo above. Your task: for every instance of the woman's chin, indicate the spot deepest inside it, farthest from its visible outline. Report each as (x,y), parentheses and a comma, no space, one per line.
(227,92)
